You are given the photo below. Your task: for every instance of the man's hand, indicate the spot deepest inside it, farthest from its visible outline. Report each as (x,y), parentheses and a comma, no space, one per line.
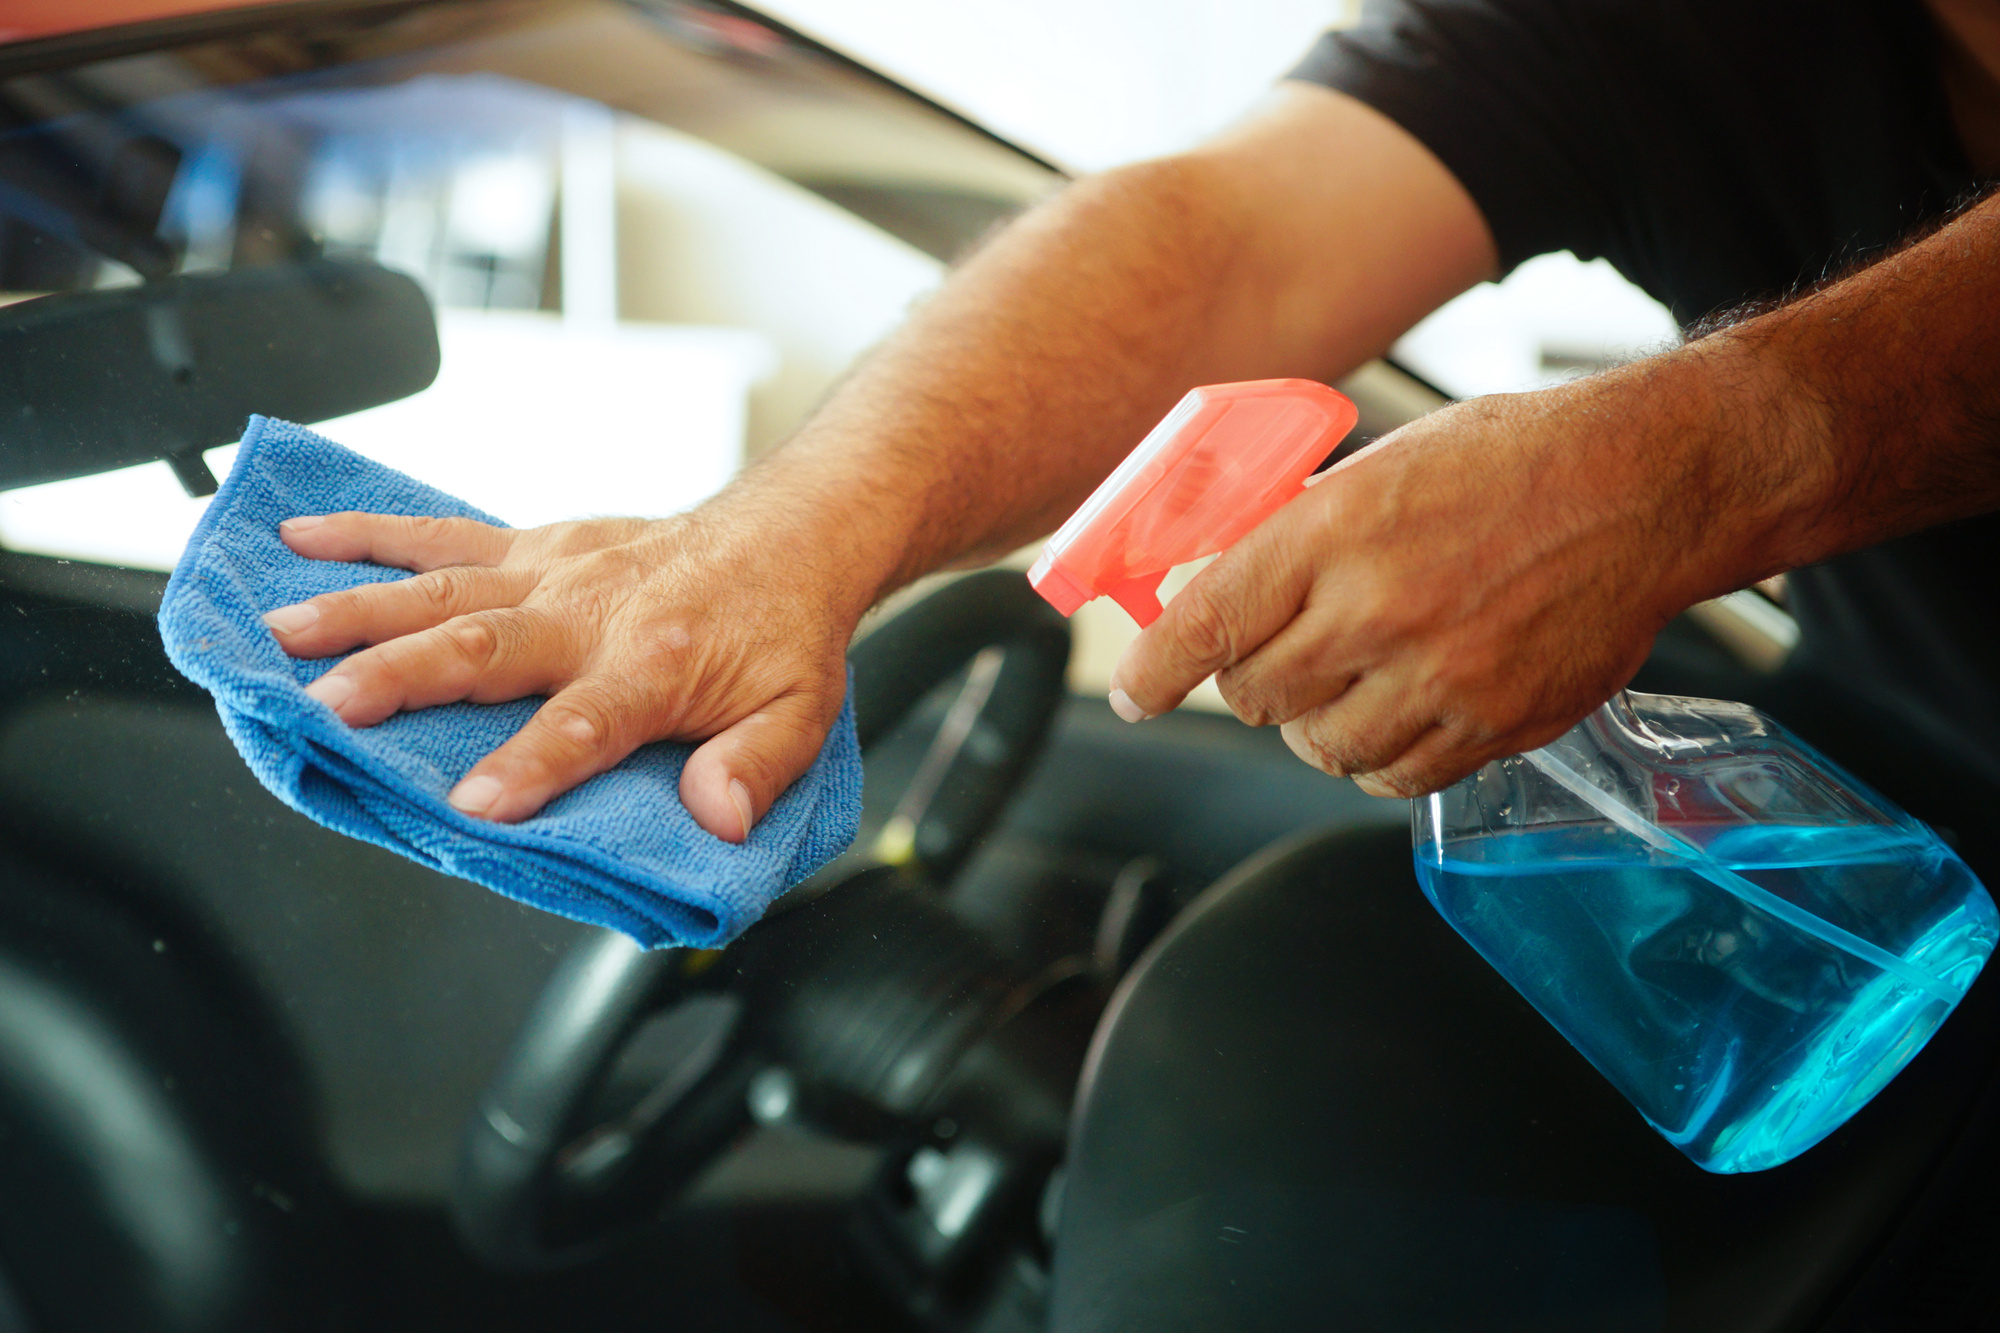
(1476,582)
(679,629)
(1466,588)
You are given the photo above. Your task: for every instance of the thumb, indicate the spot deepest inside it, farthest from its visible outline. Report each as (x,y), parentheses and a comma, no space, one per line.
(732,779)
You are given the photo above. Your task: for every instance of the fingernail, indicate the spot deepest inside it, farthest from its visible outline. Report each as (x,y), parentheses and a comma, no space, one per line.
(301,523)
(1121,704)
(332,689)
(740,794)
(292,619)
(475,796)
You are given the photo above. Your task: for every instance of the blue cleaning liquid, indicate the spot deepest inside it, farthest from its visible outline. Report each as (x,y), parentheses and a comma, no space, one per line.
(1742,1038)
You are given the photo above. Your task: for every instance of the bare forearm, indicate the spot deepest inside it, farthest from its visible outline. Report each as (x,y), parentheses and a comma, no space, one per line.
(1878,397)
(1035,367)
(1044,359)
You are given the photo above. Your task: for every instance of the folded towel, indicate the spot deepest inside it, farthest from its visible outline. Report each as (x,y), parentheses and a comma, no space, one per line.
(618,851)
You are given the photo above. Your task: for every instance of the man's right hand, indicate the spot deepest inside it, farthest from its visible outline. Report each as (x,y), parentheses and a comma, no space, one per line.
(679,629)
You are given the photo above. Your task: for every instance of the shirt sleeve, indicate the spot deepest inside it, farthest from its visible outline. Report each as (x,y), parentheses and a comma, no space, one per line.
(1509,94)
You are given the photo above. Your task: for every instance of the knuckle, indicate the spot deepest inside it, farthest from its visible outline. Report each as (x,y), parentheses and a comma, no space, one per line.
(442,593)
(1371,616)
(1248,698)
(374,675)
(1204,632)
(1344,750)
(1323,744)
(1382,610)
(427,531)
(584,719)
(1366,754)
(663,648)
(395,660)
(474,639)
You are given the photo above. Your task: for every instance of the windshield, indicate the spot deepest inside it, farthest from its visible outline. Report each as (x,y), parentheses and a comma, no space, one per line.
(652,234)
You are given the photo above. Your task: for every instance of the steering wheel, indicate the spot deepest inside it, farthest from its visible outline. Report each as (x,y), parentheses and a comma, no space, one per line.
(636,1068)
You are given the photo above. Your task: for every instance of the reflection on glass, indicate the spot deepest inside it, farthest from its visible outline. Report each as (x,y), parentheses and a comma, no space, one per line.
(636,286)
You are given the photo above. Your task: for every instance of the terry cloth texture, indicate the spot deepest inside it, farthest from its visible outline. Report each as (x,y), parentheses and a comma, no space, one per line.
(619,851)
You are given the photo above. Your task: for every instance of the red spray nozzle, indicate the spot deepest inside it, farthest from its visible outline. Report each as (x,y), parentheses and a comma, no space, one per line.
(1224,460)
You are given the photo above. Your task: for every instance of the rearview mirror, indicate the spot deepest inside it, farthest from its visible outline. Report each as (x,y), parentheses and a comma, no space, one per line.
(95,380)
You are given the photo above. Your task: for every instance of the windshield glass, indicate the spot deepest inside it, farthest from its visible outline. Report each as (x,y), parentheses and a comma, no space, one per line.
(652,235)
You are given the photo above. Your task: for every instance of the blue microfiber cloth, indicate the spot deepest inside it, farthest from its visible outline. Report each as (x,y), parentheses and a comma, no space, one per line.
(619,851)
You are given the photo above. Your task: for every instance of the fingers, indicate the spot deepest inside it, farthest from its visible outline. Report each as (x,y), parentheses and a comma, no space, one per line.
(733,778)
(727,784)
(583,730)
(1392,743)
(397,540)
(1451,751)
(585,727)
(1307,663)
(488,657)
(376,612)
(1439,758)
(1372,724)
(1222,616)
(1389,737)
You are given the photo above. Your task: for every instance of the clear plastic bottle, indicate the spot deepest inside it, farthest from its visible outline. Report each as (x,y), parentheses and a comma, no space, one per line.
(1742,937)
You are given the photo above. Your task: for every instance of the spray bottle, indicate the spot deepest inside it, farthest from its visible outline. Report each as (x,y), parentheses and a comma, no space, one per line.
(1740,935)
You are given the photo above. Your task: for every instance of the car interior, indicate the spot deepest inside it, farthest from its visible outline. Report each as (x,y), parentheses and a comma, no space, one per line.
(563,257)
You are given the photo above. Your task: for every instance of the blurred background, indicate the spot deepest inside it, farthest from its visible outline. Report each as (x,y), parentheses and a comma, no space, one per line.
(1090,84)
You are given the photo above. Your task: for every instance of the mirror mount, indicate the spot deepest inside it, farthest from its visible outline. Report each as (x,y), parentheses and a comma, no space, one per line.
(96,380)
(193,473)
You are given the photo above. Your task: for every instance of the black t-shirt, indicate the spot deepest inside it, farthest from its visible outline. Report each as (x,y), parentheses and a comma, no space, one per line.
(1717,151)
